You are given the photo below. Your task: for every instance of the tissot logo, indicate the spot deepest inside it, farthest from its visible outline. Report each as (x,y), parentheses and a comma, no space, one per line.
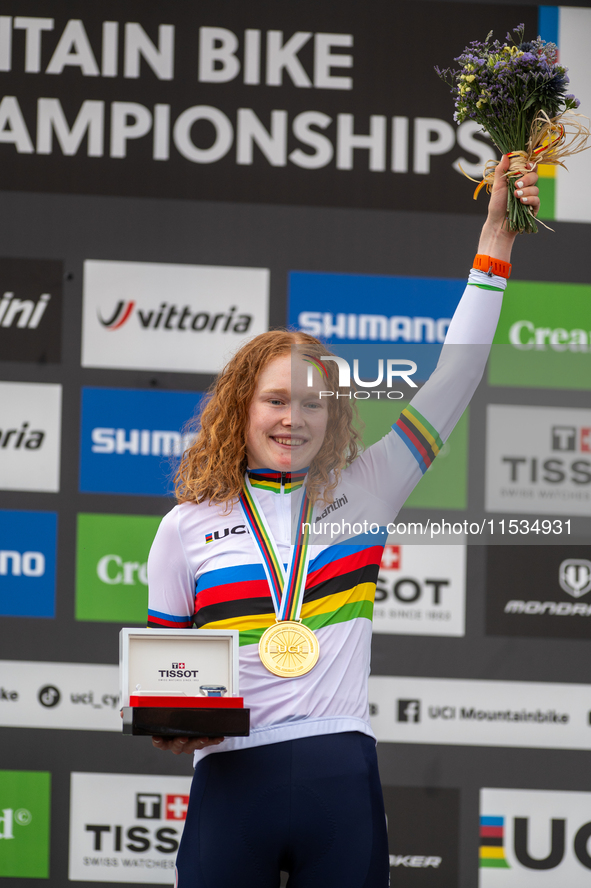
(538,460)
(126,827)
(30,310)
(571,439)
(127,323)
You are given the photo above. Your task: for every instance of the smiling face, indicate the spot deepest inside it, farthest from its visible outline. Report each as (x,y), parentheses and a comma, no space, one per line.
(287,420)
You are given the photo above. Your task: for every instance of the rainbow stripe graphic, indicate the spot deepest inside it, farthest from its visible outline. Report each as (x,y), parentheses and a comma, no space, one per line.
(272,481)
(492,839)
(208,537)
(420,437)
(317,364)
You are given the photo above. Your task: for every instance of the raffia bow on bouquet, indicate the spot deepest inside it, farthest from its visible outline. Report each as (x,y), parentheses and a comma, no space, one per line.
(517,92)
(550,143)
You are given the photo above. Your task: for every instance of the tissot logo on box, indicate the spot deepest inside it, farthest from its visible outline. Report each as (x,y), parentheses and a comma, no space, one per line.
(423,833)
(543,591)
(28,543)
(159,316)
(534,838)
(111,567)
(24,824)
(126,827)
(538,460)
(30,310)
(131,440)
(30,428)
(421,591)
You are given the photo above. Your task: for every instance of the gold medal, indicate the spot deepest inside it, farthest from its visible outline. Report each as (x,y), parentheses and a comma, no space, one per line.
(289,649)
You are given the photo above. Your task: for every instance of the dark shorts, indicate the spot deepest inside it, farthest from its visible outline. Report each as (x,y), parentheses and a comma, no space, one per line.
(311,807)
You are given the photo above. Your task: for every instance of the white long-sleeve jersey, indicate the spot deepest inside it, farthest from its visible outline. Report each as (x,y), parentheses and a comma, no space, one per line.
(204,568)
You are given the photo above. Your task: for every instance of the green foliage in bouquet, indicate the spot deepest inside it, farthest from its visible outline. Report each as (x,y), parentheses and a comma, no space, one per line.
(517,92)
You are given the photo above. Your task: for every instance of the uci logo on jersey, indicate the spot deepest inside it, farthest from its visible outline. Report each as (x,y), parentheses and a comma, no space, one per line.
(220,534)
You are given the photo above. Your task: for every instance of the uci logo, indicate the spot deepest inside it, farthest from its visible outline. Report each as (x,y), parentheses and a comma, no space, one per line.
(220,534)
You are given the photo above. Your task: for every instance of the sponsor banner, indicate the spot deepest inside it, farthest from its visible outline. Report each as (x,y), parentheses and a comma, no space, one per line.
(131,440)
(30,436)
(423,835)
(31,310)
(534,838)
(126,827)
(543,339)
(466,712)
(24,824)
(538,460)
(406,310)
(544,593)
(289,104)
(159,316)
(445,483)
(28,542)
(421,590)
(79,696)
(111,567)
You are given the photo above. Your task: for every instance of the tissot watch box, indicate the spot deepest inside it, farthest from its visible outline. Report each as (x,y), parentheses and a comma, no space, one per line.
(181,683)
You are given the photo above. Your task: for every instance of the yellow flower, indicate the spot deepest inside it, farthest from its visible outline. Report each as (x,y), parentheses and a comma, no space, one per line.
(470,78)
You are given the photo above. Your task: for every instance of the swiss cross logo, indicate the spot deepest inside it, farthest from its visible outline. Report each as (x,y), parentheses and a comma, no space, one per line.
(176,807)
(391,559)
(178,665)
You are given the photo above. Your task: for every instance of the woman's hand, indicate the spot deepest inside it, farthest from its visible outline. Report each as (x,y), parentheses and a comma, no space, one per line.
(185,744)
(496,240)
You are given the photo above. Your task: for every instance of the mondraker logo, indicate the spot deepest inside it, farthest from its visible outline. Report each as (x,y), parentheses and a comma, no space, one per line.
(575,576)
(121,314)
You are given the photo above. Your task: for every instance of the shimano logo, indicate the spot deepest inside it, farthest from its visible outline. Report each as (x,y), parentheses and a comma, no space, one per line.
(22,312)
(139,442)
(172,317)
(373,328)
(25,564)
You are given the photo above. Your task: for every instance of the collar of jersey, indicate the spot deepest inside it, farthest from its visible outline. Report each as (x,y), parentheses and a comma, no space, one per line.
(269,479)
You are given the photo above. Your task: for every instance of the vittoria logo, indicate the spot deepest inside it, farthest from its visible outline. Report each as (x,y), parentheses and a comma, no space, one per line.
(23,437)
(213,310)
(173,317)
(238,529)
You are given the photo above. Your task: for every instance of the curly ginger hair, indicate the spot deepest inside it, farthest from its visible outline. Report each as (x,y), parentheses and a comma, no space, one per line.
(212,468)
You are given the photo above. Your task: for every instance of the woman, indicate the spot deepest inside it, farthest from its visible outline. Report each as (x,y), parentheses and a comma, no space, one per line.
(302,792)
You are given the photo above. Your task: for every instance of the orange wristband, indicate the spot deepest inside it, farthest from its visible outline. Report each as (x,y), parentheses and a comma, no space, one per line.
(492,266)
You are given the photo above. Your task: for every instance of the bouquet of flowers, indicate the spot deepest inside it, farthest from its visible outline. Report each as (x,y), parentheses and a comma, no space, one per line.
(517,92)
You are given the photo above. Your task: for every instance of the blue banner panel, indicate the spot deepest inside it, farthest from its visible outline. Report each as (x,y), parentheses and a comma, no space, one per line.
(131,440)
(27,563)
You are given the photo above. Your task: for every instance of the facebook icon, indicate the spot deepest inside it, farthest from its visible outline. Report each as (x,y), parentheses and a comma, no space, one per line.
(409,710)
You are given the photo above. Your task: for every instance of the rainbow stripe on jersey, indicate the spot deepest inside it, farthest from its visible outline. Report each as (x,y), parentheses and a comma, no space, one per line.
(420,437)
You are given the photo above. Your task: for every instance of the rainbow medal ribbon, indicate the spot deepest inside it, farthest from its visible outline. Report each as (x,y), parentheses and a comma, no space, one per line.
(288,649)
